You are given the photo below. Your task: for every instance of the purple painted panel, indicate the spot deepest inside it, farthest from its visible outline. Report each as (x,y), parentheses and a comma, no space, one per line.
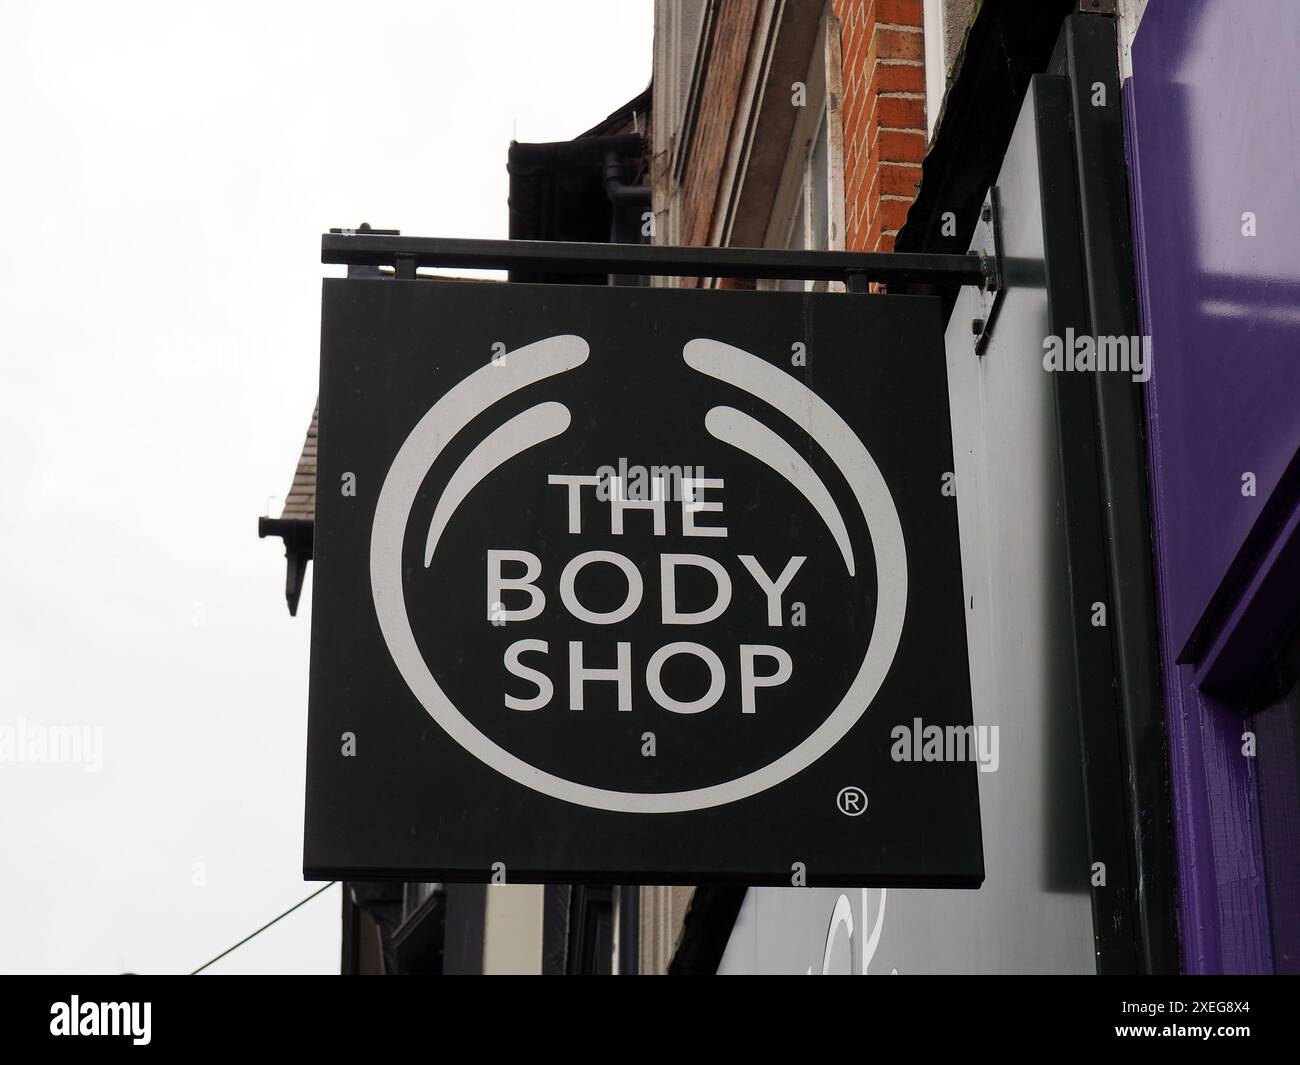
(1212,134)
(1214,117)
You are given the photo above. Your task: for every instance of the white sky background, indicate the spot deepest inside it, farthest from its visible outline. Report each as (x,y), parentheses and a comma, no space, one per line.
(166,170)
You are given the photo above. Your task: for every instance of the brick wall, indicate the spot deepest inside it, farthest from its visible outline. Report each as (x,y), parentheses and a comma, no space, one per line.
(729,59)
(883,59)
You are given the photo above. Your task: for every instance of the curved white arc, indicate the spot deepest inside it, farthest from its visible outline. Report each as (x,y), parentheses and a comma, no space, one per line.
(870,942)
(819,420)
(842,915)
(505,442)
(754,438)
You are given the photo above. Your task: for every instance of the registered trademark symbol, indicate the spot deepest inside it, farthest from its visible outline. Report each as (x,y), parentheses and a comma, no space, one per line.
(852,801)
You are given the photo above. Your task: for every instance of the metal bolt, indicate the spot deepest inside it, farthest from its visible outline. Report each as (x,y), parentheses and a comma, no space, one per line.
(986,212)
(977,326)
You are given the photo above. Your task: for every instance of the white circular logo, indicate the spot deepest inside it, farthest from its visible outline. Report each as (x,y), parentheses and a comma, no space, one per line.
(724,363)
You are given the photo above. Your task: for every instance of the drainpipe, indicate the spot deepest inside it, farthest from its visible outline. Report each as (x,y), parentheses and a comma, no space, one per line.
(620,194)
(628,202)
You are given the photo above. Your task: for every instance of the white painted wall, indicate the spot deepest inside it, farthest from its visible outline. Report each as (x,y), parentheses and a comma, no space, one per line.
(935,66)
(1130,17)
(512,932)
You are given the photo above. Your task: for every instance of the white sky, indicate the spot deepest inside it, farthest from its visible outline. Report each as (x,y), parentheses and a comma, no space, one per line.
(167,170)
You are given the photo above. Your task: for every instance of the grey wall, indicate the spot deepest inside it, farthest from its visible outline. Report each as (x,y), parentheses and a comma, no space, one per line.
(1033,913)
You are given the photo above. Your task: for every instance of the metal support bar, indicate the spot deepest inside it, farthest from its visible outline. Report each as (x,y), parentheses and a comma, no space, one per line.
(407,253)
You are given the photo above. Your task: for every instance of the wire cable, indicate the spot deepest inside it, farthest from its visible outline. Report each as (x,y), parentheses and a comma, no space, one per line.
(264,927)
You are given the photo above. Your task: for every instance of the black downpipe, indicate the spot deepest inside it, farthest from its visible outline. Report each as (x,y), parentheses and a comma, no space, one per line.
(627,205)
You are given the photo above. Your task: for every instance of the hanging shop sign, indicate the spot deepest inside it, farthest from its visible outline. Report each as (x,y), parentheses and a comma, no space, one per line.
(639,585)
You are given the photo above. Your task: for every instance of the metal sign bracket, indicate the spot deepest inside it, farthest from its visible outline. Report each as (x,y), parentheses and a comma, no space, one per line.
(406,255)
(986,242)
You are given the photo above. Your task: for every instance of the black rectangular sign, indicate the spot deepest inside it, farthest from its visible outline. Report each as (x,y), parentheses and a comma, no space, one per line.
(637,585)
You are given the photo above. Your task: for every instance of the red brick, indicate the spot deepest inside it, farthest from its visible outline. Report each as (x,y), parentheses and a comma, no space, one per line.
(871,125)
(901,112)
(869,61)
(720,92)
(850,12)
(853,46)
(855,195)
(899,44)
(892,213)
(855,117)
(897,77)
(861,148)
(894,113)
(899,12)
(872,201)
(866,179)
(898,147)
(896,180)
(871,239)
(880,131)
